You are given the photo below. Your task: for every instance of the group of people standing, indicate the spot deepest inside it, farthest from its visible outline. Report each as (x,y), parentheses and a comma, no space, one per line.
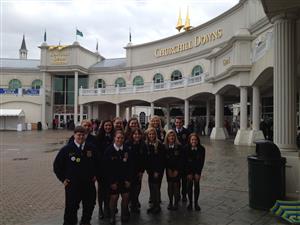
(116,159)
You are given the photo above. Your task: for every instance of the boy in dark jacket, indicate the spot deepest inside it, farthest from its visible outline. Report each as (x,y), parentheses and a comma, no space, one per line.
(74,166)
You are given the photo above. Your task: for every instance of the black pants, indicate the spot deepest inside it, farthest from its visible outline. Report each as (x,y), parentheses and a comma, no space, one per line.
(76,193)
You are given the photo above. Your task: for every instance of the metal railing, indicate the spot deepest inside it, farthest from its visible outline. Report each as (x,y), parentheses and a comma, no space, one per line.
(147,87)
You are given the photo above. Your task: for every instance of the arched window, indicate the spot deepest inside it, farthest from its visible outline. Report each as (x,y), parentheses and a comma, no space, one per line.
(120,82)
(14,84)
(36,84)
(158,78)
(99,83)
(197,70)
(176,75)
(138,81)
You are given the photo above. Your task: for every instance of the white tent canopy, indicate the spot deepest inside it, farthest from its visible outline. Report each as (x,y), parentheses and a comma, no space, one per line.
(12,112)
(10,118)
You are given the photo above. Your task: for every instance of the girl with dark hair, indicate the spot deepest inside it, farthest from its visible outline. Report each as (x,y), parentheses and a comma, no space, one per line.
(104,138)
(194,162)
(174,164)
(155,164)
(138,151)
(133,123)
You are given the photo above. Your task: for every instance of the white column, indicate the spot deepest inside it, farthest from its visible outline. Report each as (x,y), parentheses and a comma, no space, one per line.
(255,108)
(219,117)
(243,108)
(168,116)
(81,112)
(127,113)
(117,110)
(90,113)
(299,107)
(255,134)
(152,109)
(43,116)
(284,82)
(186,113)
(207,115)
(218,132)
(76,98)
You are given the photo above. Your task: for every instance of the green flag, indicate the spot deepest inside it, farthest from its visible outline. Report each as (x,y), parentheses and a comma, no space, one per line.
(78,32)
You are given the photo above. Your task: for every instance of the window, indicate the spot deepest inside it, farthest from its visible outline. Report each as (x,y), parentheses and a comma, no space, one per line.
(158,78)
(138,81)
(176,75)
(120,82)
(36,84)
(99,83)
(197,70)
(14,84)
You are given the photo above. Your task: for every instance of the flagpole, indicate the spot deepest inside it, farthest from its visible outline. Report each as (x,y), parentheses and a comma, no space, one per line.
(76,34)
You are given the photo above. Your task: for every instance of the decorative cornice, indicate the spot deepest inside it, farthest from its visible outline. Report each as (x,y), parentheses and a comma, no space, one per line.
(232,70)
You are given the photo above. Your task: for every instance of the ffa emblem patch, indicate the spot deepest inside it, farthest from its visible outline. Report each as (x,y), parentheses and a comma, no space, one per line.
(89,154)
(125,157)
(78,160)
(73,158)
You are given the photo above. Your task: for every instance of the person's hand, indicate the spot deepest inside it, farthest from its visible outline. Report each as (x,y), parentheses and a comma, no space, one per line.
(66,182)
(127,184)
(156,175)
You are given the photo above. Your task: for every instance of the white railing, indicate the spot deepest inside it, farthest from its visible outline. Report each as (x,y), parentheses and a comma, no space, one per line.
(147,87)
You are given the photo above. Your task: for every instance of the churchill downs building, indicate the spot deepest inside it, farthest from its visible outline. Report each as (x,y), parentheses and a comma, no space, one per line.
(247,59)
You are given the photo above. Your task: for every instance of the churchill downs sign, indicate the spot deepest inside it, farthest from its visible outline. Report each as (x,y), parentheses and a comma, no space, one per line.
(198,41)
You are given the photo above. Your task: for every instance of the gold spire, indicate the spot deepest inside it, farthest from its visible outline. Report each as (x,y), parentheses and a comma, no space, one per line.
(187,25)
(179,22)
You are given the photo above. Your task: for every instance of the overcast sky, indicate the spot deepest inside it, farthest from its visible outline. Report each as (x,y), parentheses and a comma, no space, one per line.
(105,20)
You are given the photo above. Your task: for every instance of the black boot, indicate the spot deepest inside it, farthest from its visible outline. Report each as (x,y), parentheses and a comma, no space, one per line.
(170,194)
(156,196)
(196,193)
(190,194)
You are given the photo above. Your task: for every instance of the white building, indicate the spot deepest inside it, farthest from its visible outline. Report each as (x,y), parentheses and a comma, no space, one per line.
(249,55)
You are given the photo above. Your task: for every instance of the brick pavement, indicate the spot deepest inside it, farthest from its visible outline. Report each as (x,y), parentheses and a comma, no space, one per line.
(31,194)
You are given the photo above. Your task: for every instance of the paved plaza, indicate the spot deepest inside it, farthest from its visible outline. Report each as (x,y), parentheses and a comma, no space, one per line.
(31,194)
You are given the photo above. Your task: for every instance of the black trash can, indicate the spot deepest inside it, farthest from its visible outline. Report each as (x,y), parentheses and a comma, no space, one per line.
(266,176)
(39,125)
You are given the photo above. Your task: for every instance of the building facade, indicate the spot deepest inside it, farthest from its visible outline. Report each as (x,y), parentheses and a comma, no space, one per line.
(248,58)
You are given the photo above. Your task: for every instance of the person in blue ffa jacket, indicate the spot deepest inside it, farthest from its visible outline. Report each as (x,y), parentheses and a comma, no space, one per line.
(194,162)
(155,165)
(74,166)
(119,170)
(104,138)
(182,136)
(138,150)
(174,165)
